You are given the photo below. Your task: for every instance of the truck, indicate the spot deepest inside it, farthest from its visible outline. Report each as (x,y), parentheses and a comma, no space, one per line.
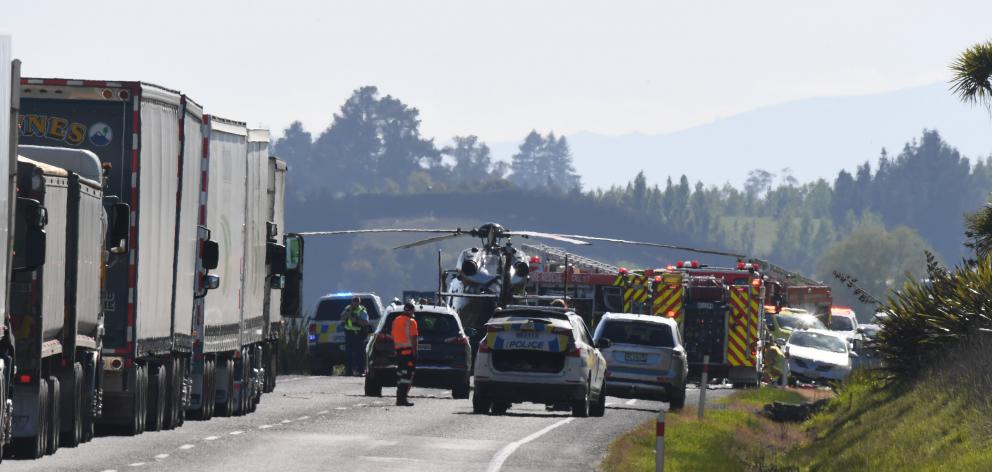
(275,267)
(137,130)
(9,78)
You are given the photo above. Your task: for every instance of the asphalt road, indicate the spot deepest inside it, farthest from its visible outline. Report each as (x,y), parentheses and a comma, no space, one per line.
(326,423)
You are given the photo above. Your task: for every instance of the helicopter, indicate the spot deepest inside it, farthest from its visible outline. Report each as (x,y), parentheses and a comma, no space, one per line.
(493,274)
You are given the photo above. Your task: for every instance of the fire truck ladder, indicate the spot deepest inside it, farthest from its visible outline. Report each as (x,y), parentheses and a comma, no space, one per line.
(784,276)
(558,255)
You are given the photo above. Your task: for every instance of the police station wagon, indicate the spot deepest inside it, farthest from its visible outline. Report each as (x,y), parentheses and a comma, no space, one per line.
(540,355)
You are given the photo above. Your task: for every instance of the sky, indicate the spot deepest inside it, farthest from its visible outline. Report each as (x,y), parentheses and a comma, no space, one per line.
(498,69)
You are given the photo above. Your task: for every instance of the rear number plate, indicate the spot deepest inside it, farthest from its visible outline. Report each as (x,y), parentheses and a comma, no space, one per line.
(526,335)
(423,347)
(635,357)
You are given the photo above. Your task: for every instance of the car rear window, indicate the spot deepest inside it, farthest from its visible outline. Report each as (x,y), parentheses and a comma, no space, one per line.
(639,333)
(429,323)
(330,310)
(841,323)
(800,322)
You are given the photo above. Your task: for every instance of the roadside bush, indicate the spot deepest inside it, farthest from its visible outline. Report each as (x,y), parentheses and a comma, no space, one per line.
(928,319)
(294,356)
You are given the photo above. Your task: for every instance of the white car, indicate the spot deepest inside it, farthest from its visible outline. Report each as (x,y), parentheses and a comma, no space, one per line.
(645,359)
(818,355)
(540,355)
(844,323)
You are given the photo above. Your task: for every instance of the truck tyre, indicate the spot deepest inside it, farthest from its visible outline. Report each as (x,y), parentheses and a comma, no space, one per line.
(34,447)
(272,368)
(72,406)
(580,407)
(480,403)
(598,408)
(89,400)
(677,400)
(372,386)
(139,407)
(461,391)
(3,412)
(156,398)
(226,408)
(174,391)
(54,414)
(209,387)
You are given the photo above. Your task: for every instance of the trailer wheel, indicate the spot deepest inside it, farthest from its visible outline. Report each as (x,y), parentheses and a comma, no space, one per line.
(173,397)
(34,447)
(72,409)
(271,367)
(54,414)
(226,408)
(156,398)
(139,407)
(209,388)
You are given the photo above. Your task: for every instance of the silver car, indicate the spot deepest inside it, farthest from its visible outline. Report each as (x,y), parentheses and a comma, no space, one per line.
(644,357)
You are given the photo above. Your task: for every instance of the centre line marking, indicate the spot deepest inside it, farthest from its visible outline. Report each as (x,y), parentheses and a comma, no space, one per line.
(137,464)
(210,438)
(265,426)
(286,421)
(324,412)
(303,418)
(161,456)
(497,462)
(235,433)
(631,401)
(186,447)
(341,408)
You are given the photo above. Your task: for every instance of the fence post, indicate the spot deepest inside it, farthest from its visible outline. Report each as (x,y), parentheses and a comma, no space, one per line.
(784,381)
(703,384)
(659,443)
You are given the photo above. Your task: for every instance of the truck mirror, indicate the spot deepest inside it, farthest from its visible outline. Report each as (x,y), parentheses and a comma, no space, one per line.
(211,281)
(30,239)
(277,282)
(210,254)
(275,257)
(294,251)
(120,228)
(271,231)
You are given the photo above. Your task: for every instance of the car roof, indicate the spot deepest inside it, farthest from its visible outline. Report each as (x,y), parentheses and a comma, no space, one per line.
(638,317)
(431,308)
(825,332)
(534,311)
(556,319)
(340,295)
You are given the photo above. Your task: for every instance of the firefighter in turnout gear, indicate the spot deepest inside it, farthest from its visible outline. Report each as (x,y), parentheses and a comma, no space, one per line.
(356,322)
(405,335)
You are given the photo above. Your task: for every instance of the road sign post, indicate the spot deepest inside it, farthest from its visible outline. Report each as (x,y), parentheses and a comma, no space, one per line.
(659,443)
(703,384)
(784,381)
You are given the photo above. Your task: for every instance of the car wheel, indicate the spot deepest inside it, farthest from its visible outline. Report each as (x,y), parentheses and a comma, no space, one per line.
(677,401)
(460,392)
(480,404)
(580,408)
(499,408)
(598,409)
(372,386)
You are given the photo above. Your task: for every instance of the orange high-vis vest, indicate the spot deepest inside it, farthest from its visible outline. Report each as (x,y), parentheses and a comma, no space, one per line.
(405,332)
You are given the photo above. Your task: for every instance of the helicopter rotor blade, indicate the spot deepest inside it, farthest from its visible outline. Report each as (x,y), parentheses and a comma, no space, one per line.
(430,240)
(556,237)
(660,245)
(458,231)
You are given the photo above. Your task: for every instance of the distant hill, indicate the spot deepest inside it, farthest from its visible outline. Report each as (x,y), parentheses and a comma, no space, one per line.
(815,138)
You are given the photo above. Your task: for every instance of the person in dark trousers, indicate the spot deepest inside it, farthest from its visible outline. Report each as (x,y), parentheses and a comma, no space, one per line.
(405,336)
(356,322)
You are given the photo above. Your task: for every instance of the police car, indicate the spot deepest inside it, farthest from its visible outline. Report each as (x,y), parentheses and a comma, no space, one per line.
(325,329)
(540,355)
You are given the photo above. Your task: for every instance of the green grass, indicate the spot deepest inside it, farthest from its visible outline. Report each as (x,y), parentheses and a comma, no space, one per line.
(921,427)
(759,397)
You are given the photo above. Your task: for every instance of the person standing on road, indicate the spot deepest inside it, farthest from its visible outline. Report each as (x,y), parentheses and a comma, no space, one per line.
(356,322)
(405,336)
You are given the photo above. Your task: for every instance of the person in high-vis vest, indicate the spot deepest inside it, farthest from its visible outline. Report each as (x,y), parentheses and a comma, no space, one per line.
(356,321)
(405,336)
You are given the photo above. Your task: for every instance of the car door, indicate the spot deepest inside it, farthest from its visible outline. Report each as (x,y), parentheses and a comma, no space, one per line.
(597,365)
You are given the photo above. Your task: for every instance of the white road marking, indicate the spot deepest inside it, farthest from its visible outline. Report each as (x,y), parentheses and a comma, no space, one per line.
(497,462)
(341,408)
(631,401)
(161,456)
(186,447)
(136,464)
(210,438)
(286,421)
(359,405)
(324,412)
(235,433)
(265,426)
(110,470)
(303,418)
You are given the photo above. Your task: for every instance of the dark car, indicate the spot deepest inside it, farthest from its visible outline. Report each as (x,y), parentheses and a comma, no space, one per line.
(444,358)
(325,330)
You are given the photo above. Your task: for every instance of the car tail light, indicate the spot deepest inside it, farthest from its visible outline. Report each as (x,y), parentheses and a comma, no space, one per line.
(457,341)
(312,328)
(483,347)
(24,378)
(574,351)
